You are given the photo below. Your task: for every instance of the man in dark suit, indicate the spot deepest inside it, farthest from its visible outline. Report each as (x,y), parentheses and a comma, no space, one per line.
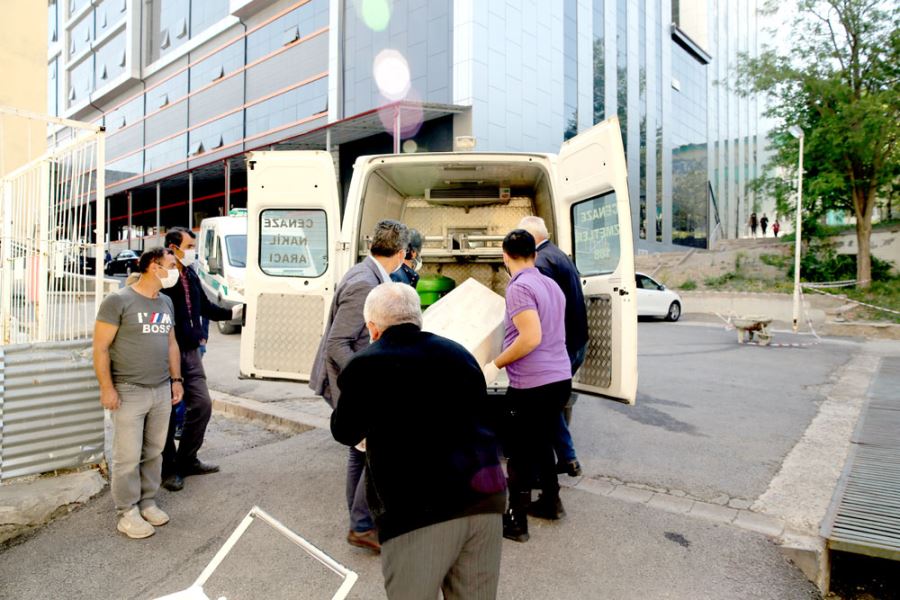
(434,480)
(408,271)
(191,305)
(553,262)
(345,335)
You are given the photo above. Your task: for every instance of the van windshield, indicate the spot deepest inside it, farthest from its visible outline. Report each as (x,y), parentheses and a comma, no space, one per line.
(237,250)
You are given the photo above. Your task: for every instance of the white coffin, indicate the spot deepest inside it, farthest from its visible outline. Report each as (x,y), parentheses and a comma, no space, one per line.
(471,315)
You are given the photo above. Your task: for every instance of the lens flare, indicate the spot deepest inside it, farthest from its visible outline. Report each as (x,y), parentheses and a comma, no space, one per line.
(410,146)
(391,72)
(376,14)
(410,112)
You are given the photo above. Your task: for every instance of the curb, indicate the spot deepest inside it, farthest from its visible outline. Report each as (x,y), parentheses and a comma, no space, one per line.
(806,551)
(267,414)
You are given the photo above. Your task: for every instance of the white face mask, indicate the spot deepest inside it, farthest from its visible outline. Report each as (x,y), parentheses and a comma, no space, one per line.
(417,264)
(189,257)
(170,279)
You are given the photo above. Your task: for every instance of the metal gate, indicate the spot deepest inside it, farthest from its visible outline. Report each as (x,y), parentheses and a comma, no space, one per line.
(52,249)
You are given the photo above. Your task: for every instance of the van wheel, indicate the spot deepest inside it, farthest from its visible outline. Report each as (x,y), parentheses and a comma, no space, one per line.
(226,328)
(674,312)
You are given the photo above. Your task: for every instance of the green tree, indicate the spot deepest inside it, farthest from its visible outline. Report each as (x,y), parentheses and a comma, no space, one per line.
(839,83)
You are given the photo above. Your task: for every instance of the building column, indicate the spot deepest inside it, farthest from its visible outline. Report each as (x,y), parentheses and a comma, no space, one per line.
(190,200)
(158,198)
(129,219)
(227,185)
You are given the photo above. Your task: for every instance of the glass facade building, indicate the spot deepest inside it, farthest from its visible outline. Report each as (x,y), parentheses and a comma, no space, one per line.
(186,87)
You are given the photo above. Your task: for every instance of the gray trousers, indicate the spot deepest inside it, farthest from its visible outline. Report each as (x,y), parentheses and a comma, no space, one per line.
(139,434)
(459,557)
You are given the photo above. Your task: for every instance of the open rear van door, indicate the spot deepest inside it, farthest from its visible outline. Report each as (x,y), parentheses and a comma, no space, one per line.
(593,220)
(293,223)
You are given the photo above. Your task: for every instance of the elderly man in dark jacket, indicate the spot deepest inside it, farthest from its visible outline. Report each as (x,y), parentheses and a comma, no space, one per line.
(553,262)
(345,335)
(435,485)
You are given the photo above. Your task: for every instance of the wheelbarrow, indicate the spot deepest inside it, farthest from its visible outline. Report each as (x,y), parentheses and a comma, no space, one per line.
(753,326)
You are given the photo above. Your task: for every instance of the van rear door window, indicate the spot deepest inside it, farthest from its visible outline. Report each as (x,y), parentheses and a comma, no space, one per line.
(293,243)
(595,224)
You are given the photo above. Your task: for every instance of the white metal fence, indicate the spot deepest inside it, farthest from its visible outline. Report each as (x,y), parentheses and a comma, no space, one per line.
(52,238)
(52,234)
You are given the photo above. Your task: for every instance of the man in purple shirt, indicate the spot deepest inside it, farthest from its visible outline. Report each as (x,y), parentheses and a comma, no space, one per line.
(540,381)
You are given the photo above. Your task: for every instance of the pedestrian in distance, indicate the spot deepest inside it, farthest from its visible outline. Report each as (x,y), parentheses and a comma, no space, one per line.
(764,224)
(191,304)
(434,481)
(776,227)
(540,382)
(553,262)
(345,335)
(408,271)
(138,367)
(753,223)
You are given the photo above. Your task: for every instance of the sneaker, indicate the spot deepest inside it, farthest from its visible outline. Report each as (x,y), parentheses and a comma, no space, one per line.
(134,526)
(154,515)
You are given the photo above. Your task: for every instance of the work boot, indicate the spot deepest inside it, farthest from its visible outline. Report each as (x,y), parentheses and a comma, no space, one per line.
(547,506)
(134,526)
(198,467)
(571,467)
(515,525)
(173,482)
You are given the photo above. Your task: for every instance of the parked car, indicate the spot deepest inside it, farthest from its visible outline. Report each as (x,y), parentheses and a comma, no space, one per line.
(656,300)
(125,263)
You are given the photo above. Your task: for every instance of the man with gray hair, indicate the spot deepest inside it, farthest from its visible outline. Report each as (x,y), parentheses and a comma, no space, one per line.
(345,335)
(434,481)
(553,263)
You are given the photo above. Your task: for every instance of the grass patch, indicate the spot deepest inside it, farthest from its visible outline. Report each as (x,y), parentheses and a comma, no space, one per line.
(688,285)
(779,261)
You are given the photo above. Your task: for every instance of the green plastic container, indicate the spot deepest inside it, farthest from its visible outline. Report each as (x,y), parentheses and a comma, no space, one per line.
(432,288)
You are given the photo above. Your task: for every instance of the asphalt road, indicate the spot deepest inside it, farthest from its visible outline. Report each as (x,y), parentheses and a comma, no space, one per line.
(605,548)
(712,418)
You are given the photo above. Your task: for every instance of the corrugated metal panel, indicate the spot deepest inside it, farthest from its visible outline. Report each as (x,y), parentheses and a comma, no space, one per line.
(50,416)
(865,514)
(302,61)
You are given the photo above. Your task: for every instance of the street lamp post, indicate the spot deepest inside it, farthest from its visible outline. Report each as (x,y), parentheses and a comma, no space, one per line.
(798,133)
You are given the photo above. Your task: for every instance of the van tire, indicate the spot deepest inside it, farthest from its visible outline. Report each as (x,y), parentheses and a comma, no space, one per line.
(226,328)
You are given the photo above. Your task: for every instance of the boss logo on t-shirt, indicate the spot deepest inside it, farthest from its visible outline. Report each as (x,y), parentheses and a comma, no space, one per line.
(155,322)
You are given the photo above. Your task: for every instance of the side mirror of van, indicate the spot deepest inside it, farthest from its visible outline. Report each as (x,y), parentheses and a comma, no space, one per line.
(213,265)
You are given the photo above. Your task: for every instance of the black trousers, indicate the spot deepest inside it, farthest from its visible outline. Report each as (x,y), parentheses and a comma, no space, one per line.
(530,434)
(198,409)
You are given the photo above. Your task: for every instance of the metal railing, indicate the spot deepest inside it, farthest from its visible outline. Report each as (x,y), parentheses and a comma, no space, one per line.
(52,238)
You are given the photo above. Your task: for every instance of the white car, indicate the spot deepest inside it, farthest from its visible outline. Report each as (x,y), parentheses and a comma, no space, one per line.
(655,300)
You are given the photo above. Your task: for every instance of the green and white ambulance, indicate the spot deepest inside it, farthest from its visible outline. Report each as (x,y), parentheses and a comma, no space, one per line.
(221,261)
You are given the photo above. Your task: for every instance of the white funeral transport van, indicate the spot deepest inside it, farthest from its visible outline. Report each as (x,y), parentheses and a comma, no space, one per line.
(463,204)
(221,261)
